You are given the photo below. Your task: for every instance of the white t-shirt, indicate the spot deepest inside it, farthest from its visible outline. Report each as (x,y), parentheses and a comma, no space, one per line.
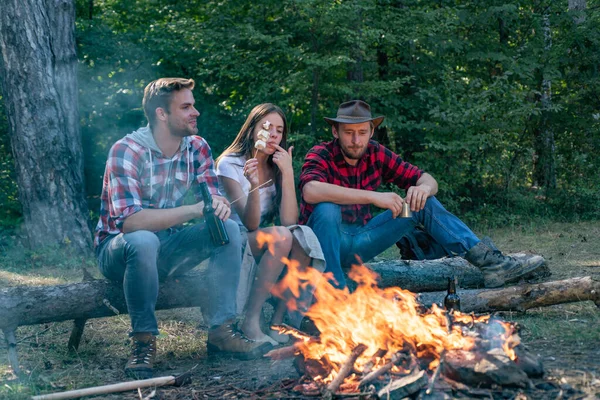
(232,167)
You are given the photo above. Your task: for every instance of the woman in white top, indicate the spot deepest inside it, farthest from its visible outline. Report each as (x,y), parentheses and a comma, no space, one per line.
(241,169)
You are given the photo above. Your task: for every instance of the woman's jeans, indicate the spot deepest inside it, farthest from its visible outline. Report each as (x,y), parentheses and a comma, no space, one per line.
(139,259)
(345,244)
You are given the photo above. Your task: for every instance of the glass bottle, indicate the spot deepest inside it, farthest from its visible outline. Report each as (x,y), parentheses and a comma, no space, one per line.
(452,301)
(217,230)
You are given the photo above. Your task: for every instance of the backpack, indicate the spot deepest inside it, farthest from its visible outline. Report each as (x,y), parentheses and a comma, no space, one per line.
(420,245)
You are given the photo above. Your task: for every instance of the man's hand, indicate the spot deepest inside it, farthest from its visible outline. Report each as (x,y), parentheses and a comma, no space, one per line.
(390,201)
(222,207)
(416,196)
(220,204)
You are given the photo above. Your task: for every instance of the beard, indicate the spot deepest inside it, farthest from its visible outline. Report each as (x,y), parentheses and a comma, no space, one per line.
(353,153)
(182,130)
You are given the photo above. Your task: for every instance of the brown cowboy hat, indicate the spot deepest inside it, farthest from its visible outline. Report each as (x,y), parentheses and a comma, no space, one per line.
(354,112)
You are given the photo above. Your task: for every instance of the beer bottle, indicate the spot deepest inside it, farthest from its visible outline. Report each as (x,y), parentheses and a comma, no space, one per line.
(452,301)
(217,230)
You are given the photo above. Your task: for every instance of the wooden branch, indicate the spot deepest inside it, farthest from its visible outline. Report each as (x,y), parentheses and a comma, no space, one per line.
(117,387)
(371,376)
(523,297)
(282,353)
(436,373)
(344,371)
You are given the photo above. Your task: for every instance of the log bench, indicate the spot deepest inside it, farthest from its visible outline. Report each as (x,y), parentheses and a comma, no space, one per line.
(96,298)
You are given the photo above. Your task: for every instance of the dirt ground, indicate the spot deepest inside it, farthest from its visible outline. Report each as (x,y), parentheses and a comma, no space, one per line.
(565,337)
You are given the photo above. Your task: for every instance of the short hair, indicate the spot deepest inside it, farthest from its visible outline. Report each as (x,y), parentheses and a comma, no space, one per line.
(158,93)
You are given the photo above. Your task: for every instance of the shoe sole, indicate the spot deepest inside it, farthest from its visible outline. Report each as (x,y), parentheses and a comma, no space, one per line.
(259,351)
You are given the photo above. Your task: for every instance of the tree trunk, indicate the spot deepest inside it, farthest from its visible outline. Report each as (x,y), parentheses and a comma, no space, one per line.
(39,85)
(545,164)
(522,297)
(432,275)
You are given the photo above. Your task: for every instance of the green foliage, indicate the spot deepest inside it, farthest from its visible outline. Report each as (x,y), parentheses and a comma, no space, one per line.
(460,84)
(10,209)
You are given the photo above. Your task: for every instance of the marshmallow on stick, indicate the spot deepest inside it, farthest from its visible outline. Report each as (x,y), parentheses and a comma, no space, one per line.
(263,136)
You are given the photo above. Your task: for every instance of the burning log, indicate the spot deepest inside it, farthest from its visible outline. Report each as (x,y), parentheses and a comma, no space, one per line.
(492,367)
(523,297)
(403,387)
(347,367)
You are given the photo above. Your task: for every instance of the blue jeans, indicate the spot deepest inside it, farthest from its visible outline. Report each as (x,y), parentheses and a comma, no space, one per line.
(342,243)
(139,259)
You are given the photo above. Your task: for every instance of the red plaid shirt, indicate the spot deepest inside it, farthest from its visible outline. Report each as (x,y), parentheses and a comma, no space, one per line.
(136,177)
(325,163)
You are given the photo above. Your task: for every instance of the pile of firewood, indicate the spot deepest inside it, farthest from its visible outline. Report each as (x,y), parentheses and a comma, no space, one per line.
(497,359)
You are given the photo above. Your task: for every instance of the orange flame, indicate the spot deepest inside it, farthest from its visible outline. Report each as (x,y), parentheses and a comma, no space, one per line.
(264,238)
(385,320)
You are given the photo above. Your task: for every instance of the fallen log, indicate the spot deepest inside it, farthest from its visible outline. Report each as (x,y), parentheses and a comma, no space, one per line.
(522,297)
(25,305)
(32,305)
(432,275)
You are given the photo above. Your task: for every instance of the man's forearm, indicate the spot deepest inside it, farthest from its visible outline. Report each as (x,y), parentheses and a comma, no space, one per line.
(430,181)
(158,219)
(319,192)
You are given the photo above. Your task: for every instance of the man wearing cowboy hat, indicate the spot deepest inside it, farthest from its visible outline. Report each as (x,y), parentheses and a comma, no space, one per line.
(338,183)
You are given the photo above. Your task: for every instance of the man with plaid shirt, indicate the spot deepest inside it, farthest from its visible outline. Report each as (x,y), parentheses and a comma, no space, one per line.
(338,185)
(140,238)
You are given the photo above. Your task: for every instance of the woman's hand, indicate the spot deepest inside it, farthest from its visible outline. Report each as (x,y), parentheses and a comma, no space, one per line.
(251,172)
(283,159)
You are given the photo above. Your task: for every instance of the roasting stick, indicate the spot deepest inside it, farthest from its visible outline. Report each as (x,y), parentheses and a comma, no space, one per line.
(258,187)
(119,387)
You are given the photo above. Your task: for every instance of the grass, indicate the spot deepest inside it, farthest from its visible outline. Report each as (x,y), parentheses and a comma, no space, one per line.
(567,337)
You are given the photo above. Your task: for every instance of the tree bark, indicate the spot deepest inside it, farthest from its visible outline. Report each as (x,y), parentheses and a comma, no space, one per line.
(39,85)
(25,305)
(432,275)
(522,297)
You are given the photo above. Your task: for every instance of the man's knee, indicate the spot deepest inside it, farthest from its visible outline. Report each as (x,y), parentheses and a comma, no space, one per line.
(142,242)
(325,214)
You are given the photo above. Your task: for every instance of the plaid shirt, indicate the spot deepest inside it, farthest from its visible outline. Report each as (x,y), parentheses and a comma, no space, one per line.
(325,163)
(136,177)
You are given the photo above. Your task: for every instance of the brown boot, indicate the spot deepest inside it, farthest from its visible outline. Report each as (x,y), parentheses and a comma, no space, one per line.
(141,361)
(227,340)
(499,269)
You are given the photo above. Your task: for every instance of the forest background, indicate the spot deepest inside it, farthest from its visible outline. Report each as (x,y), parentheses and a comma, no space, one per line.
(500,101)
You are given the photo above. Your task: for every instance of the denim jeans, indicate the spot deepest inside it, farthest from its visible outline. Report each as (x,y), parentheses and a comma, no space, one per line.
(140,259)
(342,243)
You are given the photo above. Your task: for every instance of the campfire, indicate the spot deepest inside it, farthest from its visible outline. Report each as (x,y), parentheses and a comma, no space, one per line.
(383,342)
